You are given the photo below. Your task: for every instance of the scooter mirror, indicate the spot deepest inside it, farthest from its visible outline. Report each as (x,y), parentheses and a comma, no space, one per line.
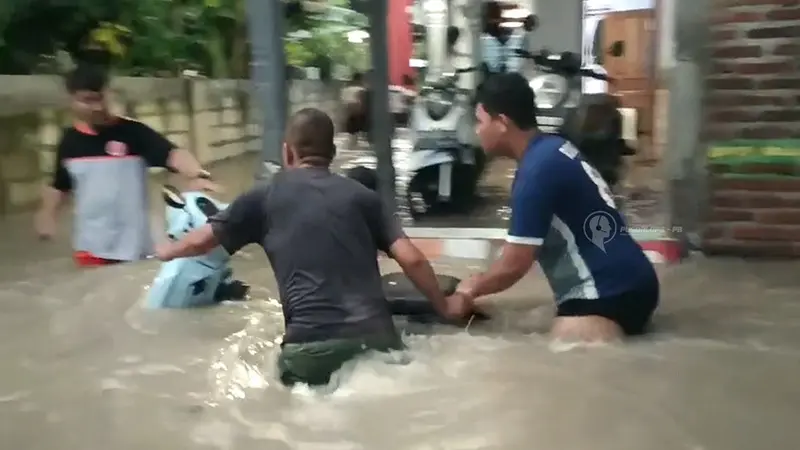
(617,49)
(453,33)
(418,33)
(172,197)
(530,23)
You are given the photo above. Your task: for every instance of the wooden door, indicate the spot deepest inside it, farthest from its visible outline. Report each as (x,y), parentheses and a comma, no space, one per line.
(634,72)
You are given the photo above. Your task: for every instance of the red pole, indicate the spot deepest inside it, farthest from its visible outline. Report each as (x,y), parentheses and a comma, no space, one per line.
(400,40)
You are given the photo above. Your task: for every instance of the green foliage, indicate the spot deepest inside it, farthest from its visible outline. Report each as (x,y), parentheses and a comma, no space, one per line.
(298,53)
(33,30)
(163,37)
(324,41)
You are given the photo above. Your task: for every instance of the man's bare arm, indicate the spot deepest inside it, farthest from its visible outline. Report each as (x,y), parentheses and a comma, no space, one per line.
(514,262)
(183,162)
(52,200)
(197,242)
(417,268)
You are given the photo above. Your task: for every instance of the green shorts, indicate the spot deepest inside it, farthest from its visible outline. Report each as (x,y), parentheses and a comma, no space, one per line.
(313,363)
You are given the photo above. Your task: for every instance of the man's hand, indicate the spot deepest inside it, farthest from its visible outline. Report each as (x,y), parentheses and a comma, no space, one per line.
(467,287)
(45,225)
(44,222)
(204,185)
(184,162)
(164,251)
(459,306)
(197,242)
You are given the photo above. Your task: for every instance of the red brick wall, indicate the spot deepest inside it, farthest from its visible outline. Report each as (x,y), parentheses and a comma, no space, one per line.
(754,93)
(754,218)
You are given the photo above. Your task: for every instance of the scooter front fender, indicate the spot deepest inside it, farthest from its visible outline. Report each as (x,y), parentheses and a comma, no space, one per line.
(420,159)
(185,283)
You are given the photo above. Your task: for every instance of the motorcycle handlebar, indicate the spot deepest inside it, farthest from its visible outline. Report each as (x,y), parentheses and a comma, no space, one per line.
(588,73)
(539,58)
(449,80)
(437,85)
(449,87)
(556,65)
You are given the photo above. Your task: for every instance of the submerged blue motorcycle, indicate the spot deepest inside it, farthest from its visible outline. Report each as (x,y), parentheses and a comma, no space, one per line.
(197,281)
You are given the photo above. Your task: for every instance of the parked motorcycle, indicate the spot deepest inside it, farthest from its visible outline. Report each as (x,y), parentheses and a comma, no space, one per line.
(446,162)
(590,121)
(440,164)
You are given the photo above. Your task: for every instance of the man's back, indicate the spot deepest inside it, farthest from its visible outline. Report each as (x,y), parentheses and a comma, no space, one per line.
(322,233)
(588,253)
(322,242)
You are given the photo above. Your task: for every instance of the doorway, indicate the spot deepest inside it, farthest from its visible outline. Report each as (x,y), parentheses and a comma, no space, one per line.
(635,82)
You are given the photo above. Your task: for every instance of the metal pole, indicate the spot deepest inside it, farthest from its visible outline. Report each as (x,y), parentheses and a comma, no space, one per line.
(685,162)
(381,119)
(268,75)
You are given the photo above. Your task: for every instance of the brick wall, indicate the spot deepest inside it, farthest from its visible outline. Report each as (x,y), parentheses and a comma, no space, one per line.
(753,93)
(754,218)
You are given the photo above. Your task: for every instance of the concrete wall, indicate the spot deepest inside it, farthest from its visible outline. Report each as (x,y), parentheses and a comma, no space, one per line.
(682,74)
(208,117)
(752,116)
(560,25)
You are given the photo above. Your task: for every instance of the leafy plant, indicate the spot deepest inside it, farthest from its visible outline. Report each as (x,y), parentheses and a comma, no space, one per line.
(164,37)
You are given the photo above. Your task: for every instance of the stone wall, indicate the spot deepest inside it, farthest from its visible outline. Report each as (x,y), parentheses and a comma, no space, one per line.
(753,93)
(209,117)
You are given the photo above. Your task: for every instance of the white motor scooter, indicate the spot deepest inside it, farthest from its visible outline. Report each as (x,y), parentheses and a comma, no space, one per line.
(446,161)
(439,164)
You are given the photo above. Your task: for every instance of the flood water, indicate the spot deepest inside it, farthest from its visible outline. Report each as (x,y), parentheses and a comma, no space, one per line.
(86,367)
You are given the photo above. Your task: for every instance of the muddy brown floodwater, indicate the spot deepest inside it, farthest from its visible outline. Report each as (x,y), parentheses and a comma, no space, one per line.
(86,367)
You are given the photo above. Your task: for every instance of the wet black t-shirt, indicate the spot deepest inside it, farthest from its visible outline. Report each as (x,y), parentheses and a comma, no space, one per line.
(321,233)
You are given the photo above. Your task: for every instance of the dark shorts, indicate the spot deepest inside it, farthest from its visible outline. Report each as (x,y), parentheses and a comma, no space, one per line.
(313,363)
(632,310)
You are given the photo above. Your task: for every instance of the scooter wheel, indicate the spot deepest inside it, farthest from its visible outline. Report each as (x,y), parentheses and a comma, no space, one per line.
(465,187)
(422,192)
(480,163)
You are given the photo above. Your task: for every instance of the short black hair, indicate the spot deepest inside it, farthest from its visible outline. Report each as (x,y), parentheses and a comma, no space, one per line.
(493,10)
(310,133)
(87,77)
(509,94)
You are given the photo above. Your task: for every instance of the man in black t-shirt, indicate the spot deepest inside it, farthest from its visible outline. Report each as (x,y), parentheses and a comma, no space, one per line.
(101,162)
(321,232)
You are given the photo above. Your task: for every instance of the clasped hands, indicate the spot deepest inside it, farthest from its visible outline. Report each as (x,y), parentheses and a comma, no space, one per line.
(461,303)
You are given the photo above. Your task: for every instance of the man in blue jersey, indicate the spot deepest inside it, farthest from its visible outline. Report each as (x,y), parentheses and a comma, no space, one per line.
(564,217)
